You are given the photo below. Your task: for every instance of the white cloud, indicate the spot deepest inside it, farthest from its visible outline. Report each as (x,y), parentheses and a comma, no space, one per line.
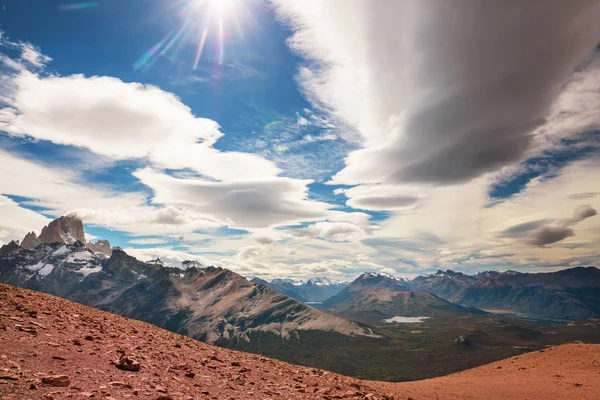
(33,56)
(169,257)
(441,92)
(333,231)
(17,221)
(60,191)
(122,121)
(257,203)
(148,241)
(459,227)
(382,197)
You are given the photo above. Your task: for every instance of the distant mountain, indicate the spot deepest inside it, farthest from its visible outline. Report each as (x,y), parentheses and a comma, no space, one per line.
(368,280)
(279,287)
(568,294)
(314,290)
(373,305)
(445,284)
(209,303)
(373,297)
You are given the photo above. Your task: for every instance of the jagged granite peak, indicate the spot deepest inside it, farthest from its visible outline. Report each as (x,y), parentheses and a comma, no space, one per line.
(101,248)
(156,261)
(30,241)
(9,248)
(66,229)
(191,264)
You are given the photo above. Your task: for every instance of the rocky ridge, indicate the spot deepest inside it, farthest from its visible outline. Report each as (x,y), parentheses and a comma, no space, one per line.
(209,303)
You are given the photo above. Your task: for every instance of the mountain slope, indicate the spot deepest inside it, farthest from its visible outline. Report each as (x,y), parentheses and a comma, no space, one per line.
(48,341)
(204,303)
(368,280)
(568,294)
(445,284)
(372,305)
(372,297)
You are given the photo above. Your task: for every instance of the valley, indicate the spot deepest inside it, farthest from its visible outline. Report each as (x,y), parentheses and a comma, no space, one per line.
(351,332)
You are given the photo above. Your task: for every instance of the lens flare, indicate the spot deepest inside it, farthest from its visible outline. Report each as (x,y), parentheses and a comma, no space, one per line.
(78,6)
(273,124)
(147,58)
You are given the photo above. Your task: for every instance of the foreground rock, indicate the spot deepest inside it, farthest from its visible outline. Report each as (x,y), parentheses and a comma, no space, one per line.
(77,351)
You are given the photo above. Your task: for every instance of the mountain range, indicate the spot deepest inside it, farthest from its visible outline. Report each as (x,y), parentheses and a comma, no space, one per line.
(372,298)
(209,303)
(54,349)
(343,332)
(313,290)
(569,294)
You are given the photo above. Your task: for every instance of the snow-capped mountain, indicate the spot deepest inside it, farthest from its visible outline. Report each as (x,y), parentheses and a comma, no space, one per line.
(445,284)
(314,290)
(210,304)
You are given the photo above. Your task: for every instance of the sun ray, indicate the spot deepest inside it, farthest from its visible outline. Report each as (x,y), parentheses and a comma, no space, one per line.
(200,48)
(201,19)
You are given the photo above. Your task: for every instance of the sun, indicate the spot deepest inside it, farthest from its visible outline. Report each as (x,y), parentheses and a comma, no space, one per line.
(201,20)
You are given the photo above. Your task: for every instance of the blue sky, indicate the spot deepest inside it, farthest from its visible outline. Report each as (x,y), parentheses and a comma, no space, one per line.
(305,139)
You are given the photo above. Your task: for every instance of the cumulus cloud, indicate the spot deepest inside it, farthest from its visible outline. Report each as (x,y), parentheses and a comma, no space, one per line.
(549,234)
(441,92)
(333,231)
(57,189)
(123,121)
(258,203)
(60,191)
(16,221)
(247,252)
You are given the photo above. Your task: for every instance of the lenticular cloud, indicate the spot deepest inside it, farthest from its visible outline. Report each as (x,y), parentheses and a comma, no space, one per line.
(439,91)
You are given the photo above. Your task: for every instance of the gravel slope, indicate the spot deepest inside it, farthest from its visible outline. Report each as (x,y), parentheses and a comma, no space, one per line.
(51,348)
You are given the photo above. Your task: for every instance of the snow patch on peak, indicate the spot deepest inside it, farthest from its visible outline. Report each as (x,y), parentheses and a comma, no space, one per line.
(371,274)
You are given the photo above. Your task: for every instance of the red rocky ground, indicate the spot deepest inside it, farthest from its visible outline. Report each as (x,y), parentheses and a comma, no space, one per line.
(51,348)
